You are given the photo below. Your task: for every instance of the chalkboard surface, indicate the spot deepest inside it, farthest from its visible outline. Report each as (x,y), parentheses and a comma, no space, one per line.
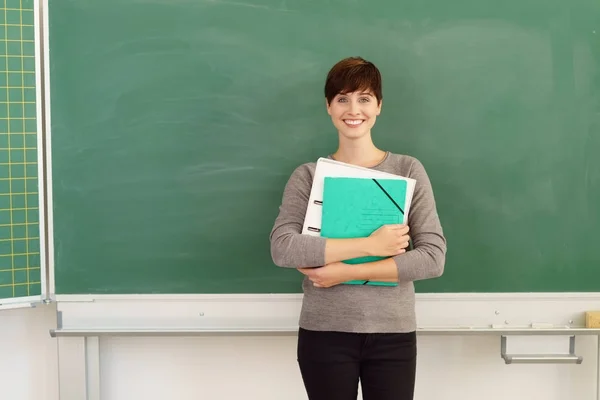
(175,125)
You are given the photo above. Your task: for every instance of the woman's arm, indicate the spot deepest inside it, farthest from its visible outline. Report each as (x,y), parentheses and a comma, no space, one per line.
(339,272)
(428,256)
(289,247)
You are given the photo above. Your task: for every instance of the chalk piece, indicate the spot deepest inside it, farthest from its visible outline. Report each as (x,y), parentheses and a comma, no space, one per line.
(498,326)
(592,319)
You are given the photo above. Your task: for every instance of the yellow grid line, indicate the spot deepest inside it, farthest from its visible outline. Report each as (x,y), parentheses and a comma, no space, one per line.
(18,148)
(16,255)
(17,179)
(17,194)
(19,269)
(13,239)
(19,224)
(14,285)
(12,247)
(24,148)
(18,209)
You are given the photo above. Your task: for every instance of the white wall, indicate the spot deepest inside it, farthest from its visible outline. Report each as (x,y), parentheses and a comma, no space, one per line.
(28,355)
(265,367)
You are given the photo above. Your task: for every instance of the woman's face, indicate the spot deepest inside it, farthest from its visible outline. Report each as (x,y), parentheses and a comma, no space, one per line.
(354,114)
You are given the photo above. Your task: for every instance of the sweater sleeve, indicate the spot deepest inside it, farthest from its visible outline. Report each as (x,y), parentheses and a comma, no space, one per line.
(289,247)
(427,257)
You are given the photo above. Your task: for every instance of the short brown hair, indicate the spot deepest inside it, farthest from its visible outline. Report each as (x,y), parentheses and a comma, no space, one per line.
(352,74)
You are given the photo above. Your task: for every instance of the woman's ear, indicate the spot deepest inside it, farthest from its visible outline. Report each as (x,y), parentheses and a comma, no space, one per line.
(379,107)
(327,106)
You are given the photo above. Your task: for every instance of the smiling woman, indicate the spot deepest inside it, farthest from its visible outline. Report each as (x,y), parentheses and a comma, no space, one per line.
(359,332)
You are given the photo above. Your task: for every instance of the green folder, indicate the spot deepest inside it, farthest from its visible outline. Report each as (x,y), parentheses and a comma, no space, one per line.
(357,207)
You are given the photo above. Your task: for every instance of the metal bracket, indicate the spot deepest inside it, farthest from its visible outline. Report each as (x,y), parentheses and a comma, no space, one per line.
(570,358)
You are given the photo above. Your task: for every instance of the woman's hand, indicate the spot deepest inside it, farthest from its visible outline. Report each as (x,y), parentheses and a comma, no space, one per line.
(329,275)
(389,240)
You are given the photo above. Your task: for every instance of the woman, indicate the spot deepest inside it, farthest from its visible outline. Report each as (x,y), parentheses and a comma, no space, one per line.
(349,333)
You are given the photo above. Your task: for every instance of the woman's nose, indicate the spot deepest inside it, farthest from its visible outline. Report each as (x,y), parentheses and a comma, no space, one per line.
(354,108)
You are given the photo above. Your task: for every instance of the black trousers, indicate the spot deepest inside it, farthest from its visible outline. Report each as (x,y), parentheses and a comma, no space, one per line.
(332,363)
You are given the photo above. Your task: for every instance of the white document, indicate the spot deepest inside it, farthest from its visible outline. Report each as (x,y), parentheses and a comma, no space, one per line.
(330,168)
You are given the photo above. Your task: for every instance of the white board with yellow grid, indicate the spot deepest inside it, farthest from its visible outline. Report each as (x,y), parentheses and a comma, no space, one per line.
(22,275)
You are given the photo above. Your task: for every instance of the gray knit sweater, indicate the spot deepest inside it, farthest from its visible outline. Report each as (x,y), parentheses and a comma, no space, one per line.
(361,308)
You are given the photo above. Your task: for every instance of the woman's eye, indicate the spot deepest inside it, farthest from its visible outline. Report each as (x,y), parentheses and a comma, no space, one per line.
(365,99)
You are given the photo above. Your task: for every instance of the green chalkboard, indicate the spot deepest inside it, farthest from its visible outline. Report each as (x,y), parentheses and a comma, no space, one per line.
(20,268)
(175,125)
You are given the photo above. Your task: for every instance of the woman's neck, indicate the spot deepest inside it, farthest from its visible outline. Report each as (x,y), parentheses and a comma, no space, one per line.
(364,154)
